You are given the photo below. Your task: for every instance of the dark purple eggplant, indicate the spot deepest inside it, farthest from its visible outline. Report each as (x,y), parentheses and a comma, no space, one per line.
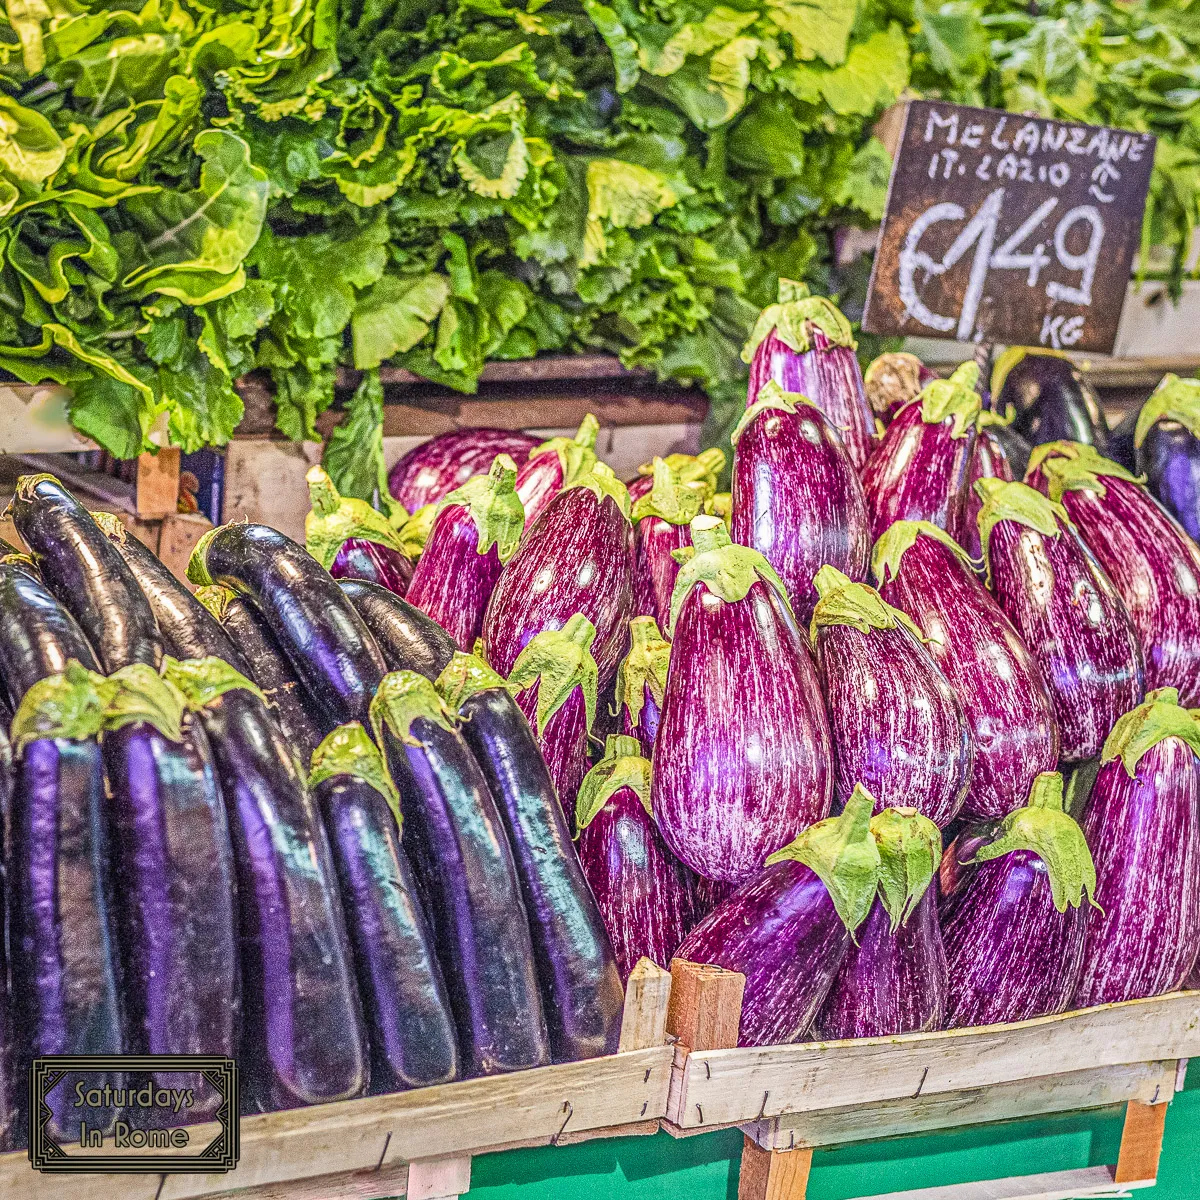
(1013,917)
(643,890)
(797,498)
(805,345)
(897,726)
(707,894)
(920,467)
(1142,822)
(409,1024)
(789,928)
(324,638)
(406,637)
(574,559)
(703,469)
(642,682)
(988,461)
(894,977)
(1151,560)
(459,848)
(302,1036)
(475,533)
(1054,402)
(660,529)
(1066,610)
(743,761)
(555,683)
(434,468)
(580,985)
(892,380)
(352,540)
(924,573)
(554,466)
(1167,446)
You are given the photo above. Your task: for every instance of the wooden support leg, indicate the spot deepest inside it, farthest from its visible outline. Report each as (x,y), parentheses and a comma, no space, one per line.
(706,1005)
(647,994)
(439,1178)
(773,1174)
(1141,1142)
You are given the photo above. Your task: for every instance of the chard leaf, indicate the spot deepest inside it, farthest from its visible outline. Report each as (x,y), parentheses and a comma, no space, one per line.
(353,453)
(30,149)
(818,28)
(394,315)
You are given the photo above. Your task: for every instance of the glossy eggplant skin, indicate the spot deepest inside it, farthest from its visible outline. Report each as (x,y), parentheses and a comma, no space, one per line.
(39,636)
(645,728)
(1053,402)
(302,1040)
(643,890)
(829,375)
(453,581)
(919,472)
(889,983)
(989,461)
(411,1030)
(1069,615)
(897,726)
(563,745)
(654,569)
(1010,954)
(783,933)
(1155,567)
(1170,459)
(574,558)
(459,849)
(582,992)
(995,678)
(797,500)
(436,467)
(1144,834)
(362,559)
(9,1117)
(406,637)
(326,641)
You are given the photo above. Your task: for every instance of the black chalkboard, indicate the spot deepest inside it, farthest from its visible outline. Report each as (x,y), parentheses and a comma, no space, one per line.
(1008,228)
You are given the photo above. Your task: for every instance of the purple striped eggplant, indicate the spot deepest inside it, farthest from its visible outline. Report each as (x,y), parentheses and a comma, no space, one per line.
(892,380)
(742,763)
(789,928)
(554,681)
(797,498)
(575,559)
(989,461)
(1053,400)
(642,682)
(555,465)
(1142,822)
(660,529)
(474,534)
(428,471)
(804,343)
(920,467)
(1013,917)
(898,728)
(1066,610)
(702,468)
(920,570)
(893,979)
(707,894)
(644,891)
(1166,442)
(1151,560)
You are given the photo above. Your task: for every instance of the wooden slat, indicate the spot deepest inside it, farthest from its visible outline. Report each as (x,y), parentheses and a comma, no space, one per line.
(551,367)
(157,491)
(1081,1183)
(439,1178)
(647,994)
(1141,1141)
(706,1005)
(177,539)
(91,487)
(353,1185)
(773,1174)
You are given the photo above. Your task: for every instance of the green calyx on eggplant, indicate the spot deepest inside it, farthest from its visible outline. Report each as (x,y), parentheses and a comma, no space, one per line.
(954,399)
(1003,501)
(559,661)
(1052,398)
(71,705)
(496,509)
(201,681)
(576,454)
(141,694)
(348,750)
(645,666)
(414,533)
(215,597)
(334,519)
(670,498)
(910,851)
(770,396)
(1174,399)
(844,602)
(197,569)
(790,318)
(1076,466)
(622,766)
(600,480)
(702,468)
(402,697)
(1158,717)
(899,537)
(463,676)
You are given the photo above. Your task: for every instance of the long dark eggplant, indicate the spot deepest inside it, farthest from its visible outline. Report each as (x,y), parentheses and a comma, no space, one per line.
(555,465)
(458,845)
(9,1121)
(581,990)
(406,637)
(434,468)
(1053,400)
(410,1027)
(302,1037)
(1167,447)
(660,528)
(326,641)
(642,682)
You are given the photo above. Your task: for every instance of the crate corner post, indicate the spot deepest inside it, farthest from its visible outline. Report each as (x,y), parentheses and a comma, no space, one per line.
(773,1174)
(647,996)
(1141,1142)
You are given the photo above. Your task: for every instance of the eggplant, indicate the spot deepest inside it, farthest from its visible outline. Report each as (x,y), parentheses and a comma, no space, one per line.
(898,728)
(742,762)
(555,683)
(581,989)
(921,571)
(893,979)
(701,469)
(1066,610)
(574,559)
(1167,447)
(9,1117)
(1143,550)
(1052,399)
(1121,448)
(805,345)
(475,533)
(554,466)
(707,894)
(460,851)
(406,637)
(410,1027)
(920,467)
(643,890)
(892,380)
(789,928)
(642,682)
(988,461)
(428,471)
(1013,919)
(660,530)
(302,1036)
(323,637)
(1142,823)
(797,498)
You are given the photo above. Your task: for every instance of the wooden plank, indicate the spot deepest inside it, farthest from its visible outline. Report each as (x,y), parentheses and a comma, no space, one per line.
(550,367)
(157,492)
(439,1178)
(706,1005)
(637,1129)
(773,1174)
(177,539)
(1141,1141)
(351,1185)
(1081,1183)
(728,1085)
(647,994)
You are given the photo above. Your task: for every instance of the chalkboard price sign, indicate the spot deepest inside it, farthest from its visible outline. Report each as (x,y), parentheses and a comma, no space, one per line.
(1008,228)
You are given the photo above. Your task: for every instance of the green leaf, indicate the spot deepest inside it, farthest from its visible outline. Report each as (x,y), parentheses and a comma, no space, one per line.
(30,150)
(623,48)
(874,74)
(818,28)
(865,185)
(353,454)
(394,315)
(623,195)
